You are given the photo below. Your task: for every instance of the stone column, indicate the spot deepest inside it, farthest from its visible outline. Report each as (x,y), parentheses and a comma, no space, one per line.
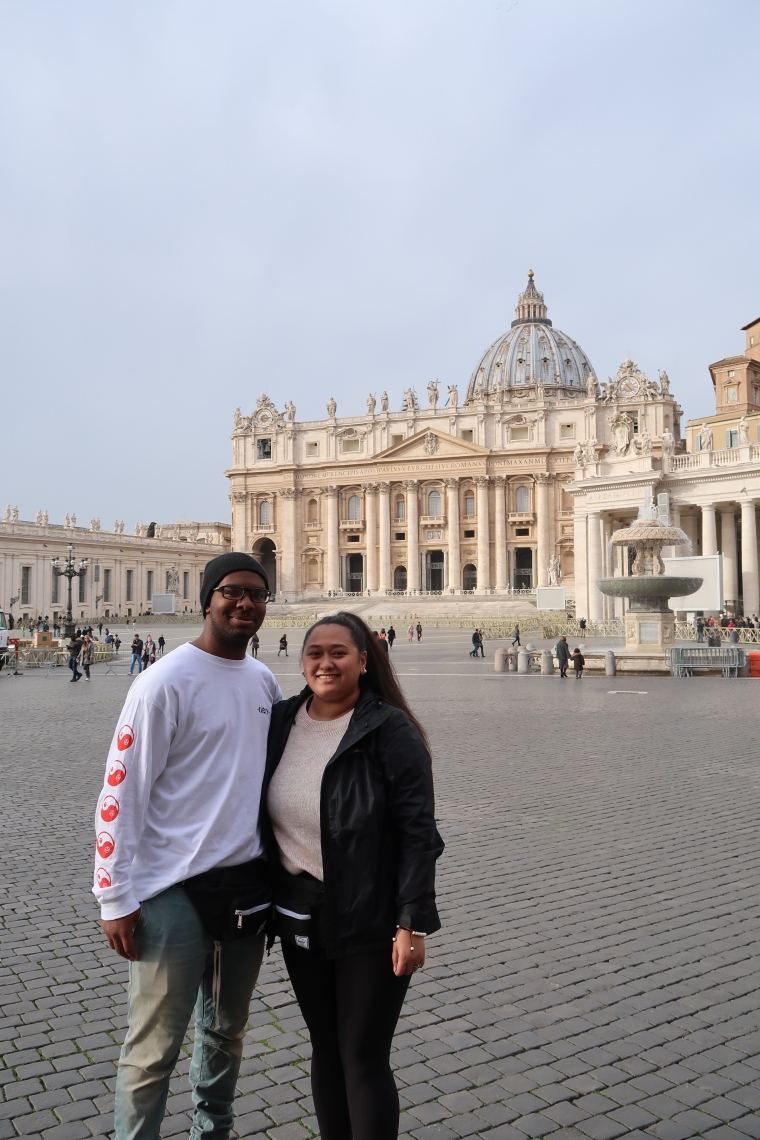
(412,535)
(384,578)
(370,523)
(581,573)
(452,510)
(484,558)
(594,566)
(750,589)
(500,533)
(544,527)
(332,577)
(709,533)
(287,582)
(728,550)
(239,522)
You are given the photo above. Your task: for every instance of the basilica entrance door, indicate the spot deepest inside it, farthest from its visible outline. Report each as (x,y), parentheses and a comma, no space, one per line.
(355,573)
(523,568)
(434,570)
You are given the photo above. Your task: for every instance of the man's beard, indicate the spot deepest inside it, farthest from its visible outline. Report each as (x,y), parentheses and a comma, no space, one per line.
(228,634)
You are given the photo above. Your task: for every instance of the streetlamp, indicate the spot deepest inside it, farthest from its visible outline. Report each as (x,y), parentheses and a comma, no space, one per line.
(66,568)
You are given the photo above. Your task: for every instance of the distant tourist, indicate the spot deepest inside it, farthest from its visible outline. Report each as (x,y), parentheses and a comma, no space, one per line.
(88,655)
(255,645)
(563,655)
(410,631)
(700,629)
(516,635)
(137,648)
(383,638)
(283,645)
(578,662)
(475,643)
(419,631)
(391,636)
(582,625)
(100,627)
(75,648)
(161,644)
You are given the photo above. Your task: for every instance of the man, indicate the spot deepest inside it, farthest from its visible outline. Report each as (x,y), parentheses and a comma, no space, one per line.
(283,645)
(516,635)
(179,868)
(480,643)
(161,644)
(475,643)
(391,636)
(563,656)
(75,648)
(137,648)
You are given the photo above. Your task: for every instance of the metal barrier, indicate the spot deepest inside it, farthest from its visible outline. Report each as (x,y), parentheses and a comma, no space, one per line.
(728,658)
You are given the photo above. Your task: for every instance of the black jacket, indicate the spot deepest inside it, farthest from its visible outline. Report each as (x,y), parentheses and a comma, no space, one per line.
(379,839)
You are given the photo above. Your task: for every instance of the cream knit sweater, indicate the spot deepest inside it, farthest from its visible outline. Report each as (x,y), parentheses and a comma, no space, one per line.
(294,793)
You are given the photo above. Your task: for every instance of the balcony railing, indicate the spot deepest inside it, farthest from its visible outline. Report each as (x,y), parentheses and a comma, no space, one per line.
(432,520)
(352,524)
(521,517)
(264,528)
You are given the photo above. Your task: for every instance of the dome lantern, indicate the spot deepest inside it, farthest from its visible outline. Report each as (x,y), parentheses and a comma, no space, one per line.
(530,304)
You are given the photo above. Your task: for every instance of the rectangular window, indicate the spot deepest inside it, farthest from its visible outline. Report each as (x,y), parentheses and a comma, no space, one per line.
(26,585)
(469,534)
(400,536)
(186,585)
(400,508)
(106,585)
(82,588)
(396,440)
(312,449)
(353,537)
(149,584)
(732,438)
(350,444)
(263,449)
(96,573)
(466,433)
(731,372)
(130,580)
(520,434)
(54,595)
(469,504)
(567,431)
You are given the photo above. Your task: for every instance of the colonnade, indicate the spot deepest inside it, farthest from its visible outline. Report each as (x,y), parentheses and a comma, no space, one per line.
(377,524)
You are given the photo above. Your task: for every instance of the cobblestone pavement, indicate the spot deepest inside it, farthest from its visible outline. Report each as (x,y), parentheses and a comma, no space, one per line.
(596,975)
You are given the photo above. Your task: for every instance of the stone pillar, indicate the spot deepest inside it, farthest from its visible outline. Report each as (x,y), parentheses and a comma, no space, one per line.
(581,572)
(728,550)
(332,577)
(412,535)
(452,509)
(370,523)
(544,526)
(287,582)
(484,560)
(384,578)
(709,533)
(594,566)
(500,533)
(239,522)
(750,589)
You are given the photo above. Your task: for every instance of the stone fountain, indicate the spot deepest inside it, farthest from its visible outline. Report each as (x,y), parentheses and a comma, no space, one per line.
(649,621)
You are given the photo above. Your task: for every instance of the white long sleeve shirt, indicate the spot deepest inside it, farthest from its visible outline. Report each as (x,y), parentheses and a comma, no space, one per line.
(183,776)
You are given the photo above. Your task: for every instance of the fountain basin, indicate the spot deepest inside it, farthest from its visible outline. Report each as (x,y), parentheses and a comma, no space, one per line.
(649,593)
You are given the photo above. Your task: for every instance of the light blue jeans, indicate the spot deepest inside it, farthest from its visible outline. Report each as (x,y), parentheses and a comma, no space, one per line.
(136,658)
(175,972)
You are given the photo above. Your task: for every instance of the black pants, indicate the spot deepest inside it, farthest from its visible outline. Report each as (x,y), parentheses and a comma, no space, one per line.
(563,668)
(351,1006)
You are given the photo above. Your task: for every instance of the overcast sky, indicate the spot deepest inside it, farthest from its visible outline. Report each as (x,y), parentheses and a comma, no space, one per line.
(203,202)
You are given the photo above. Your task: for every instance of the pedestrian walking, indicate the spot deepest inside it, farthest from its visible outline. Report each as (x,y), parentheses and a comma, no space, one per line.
(100,628)
(145,656)
(352,930)
(475,643)
(391,636)
(283,645)
(562,651)
(117,643)
(419,631)
(481,639)
(182,885)
(578,662)
(582,624)
(88,655)
(383,639)
(516,635)
(137,648)
(255,645)
(75,648)
(410,631)
(161,644)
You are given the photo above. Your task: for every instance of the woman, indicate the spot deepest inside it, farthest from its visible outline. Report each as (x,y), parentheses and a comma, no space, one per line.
(348,820)
(88,655)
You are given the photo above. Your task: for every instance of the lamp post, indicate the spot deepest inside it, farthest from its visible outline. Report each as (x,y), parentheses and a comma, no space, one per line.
(67,568)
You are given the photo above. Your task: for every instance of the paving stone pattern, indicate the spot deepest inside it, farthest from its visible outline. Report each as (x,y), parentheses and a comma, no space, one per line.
(597,973)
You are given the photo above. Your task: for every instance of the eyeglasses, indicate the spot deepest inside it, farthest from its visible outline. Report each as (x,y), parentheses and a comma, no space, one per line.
(236,593)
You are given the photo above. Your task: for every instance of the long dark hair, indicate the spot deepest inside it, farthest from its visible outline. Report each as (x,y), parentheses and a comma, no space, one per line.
(380,676)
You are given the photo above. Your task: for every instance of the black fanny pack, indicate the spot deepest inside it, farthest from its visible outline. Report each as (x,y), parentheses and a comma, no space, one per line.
(232,902)
(299,910)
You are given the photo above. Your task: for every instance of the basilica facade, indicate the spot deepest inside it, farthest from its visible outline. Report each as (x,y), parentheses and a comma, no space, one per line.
(449,492)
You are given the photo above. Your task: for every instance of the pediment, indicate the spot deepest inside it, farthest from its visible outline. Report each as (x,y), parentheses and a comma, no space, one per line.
(432,444)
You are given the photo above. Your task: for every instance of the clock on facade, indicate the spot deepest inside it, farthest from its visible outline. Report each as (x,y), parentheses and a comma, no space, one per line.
(628,386)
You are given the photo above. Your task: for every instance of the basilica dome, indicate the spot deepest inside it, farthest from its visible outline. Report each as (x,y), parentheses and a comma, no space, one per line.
(531,353)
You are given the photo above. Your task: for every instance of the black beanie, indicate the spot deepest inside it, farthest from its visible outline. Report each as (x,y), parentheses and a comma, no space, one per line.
(225,564)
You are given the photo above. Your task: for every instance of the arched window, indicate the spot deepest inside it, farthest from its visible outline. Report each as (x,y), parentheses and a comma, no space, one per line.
(354,508)
(265,513)
(399,578)
(312,513)
(522,500)
(469,504)
(400,508)
(434,503)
